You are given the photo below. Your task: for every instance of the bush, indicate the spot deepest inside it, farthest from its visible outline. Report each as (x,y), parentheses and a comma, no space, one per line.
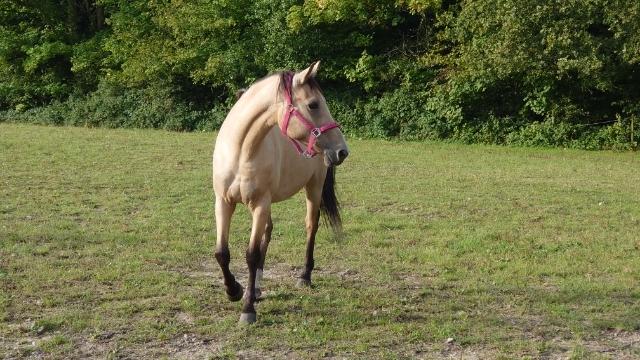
(393,114)
(547,133)
(108,106)
(492,71)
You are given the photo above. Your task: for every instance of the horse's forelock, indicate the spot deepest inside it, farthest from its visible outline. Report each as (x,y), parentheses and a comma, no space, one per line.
(312,82)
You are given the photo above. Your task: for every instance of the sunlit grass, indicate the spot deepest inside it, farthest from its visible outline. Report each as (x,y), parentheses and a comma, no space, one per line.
(106,249)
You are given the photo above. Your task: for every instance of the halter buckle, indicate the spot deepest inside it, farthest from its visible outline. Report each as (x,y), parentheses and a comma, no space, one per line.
(315,132)
(307,155)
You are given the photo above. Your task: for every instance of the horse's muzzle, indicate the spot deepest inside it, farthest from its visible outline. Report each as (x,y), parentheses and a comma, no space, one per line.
(342,154)
(335,157)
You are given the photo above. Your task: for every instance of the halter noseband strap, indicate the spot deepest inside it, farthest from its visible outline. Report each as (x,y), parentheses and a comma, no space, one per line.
(290,111)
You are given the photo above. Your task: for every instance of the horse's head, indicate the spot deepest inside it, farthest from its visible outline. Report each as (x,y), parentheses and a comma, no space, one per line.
(316,120)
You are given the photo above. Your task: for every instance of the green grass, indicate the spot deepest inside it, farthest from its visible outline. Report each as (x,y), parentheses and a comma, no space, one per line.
(106,250)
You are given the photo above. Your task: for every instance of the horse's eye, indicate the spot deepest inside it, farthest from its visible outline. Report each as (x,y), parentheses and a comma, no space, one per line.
(313,105)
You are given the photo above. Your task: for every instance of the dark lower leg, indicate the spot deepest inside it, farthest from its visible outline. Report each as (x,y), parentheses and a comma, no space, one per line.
(312,229)
(224,211)
(261,214)
(308,265)
(253,258)
(264,244)
(233,288)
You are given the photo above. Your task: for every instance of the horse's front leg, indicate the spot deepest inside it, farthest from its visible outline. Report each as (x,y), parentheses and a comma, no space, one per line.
(264,245)
(261,212)
(311,221)
(224,211)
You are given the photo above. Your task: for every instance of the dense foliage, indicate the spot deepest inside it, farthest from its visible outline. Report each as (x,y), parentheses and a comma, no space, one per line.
(562,73)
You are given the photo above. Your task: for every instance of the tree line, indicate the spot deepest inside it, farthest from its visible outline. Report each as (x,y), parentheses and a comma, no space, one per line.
(549,73)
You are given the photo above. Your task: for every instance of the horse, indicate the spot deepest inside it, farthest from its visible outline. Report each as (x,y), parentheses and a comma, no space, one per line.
(260,158)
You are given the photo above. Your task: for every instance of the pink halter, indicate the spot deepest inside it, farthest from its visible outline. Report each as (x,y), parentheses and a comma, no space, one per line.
(290,111)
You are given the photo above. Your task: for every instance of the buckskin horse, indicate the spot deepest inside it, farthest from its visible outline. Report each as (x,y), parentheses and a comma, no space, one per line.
(260,158)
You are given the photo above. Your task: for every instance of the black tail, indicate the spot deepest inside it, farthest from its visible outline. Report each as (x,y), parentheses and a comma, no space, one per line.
(329,206)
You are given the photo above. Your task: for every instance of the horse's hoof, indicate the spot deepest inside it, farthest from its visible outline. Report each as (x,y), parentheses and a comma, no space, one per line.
(247,318)
(302,283)
(238,293)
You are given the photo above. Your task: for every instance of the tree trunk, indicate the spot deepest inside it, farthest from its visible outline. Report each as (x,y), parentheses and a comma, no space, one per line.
(99,17)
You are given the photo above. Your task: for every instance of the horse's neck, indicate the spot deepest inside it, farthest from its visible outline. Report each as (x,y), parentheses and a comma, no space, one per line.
(254,115)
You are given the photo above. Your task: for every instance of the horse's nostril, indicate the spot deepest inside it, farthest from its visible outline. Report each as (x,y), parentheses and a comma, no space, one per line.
(342,154)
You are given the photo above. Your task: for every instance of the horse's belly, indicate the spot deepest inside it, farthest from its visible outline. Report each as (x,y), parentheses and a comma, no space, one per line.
(293,178)
(283,193)
(250,188)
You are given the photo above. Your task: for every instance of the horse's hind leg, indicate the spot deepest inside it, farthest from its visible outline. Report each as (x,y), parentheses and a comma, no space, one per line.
(311,221)
(261,212)
(224,211)
(264,244)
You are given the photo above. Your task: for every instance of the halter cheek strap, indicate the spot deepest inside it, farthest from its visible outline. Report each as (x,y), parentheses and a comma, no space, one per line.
(291,111)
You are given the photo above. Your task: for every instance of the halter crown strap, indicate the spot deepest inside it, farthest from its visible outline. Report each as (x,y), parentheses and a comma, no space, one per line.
(291,111)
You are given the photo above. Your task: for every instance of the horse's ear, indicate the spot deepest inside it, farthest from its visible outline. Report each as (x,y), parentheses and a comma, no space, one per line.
(308,73)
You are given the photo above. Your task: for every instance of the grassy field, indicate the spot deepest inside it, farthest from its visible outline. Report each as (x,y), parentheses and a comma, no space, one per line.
(451,251)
